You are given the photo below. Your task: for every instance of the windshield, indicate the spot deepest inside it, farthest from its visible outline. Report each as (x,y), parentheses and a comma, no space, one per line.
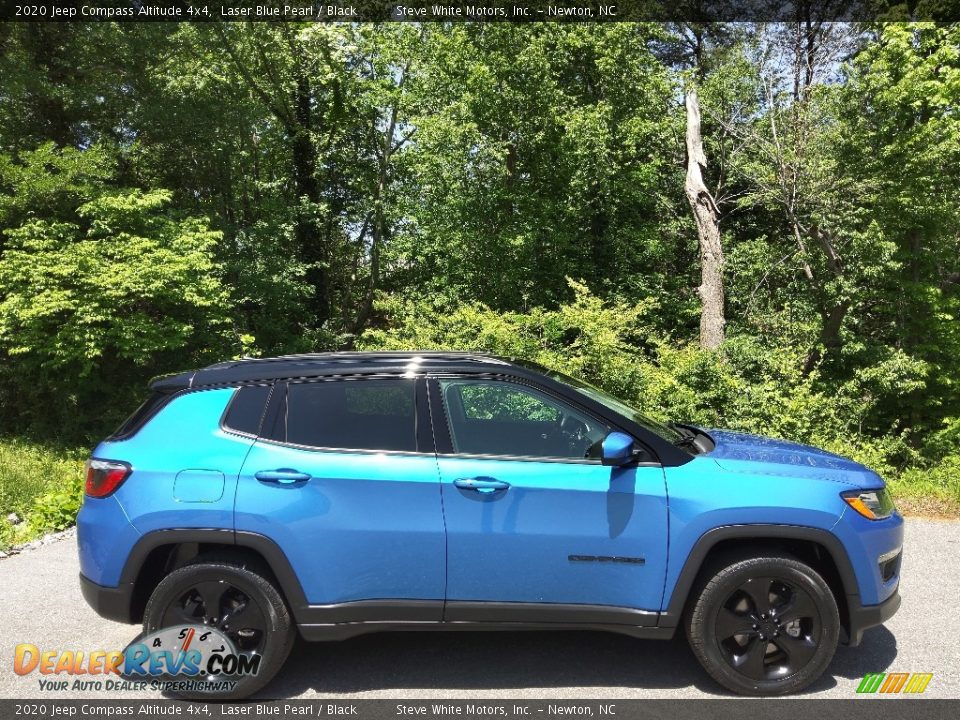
(609,401)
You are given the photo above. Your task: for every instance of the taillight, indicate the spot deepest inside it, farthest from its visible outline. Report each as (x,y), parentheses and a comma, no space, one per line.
(105,476)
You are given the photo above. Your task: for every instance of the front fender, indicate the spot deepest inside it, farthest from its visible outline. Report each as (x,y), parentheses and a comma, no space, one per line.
(675,601)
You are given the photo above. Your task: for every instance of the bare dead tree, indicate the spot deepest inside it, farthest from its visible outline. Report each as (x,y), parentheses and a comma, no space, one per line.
(707,216)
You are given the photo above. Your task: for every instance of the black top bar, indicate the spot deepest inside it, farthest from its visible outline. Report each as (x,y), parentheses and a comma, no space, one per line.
(479,10)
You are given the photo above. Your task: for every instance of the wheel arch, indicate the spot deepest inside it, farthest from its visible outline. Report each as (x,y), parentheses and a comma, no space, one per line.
(819,548)
(158,552)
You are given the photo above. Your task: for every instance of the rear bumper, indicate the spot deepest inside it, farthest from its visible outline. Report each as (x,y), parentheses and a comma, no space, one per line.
(863,617)
(112,603)
(104,539)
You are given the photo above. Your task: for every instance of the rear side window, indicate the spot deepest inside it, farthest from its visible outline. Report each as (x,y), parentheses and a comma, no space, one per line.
(353,414)
(246,409)
(150,407)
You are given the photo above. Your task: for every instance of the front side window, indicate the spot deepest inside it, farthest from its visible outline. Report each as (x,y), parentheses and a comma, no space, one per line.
(610,402)
(494,417)
(352,414)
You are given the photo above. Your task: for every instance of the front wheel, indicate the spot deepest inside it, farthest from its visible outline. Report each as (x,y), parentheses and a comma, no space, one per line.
(237,599)
(764,625)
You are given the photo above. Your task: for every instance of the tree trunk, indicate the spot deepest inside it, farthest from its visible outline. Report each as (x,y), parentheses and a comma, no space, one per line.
(312,246)
(834,317)
(829,335)
(50,108)
(707,216)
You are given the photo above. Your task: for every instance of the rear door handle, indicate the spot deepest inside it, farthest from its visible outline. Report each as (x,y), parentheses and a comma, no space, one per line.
(282,476)
(485,485)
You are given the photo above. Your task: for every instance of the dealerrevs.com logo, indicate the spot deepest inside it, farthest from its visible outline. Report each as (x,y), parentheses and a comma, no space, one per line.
(182,658)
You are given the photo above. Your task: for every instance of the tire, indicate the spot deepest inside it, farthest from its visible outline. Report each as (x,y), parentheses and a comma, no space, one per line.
(764,626)
(238,578)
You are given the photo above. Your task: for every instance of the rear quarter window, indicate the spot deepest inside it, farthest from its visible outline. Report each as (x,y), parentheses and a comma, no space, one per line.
(150,407)
(245,412)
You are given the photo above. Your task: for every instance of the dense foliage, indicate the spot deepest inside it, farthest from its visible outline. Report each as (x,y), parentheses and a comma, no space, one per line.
(175,194)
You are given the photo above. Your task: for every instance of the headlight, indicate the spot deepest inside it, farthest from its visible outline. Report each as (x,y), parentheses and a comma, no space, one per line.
(872,504)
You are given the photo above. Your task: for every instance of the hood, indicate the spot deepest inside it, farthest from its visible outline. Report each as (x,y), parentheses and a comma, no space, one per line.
(743,452)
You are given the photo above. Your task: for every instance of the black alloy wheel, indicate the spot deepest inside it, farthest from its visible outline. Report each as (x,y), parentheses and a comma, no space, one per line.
(763,625)
(768,629)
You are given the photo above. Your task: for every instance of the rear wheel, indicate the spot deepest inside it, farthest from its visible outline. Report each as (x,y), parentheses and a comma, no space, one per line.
(764,626)
(237,599)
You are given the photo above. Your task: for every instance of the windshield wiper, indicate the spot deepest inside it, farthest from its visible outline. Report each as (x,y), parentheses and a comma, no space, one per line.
(690,436)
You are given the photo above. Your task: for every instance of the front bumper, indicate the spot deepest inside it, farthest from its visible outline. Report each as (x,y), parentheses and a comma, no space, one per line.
(113,603)
(864,617)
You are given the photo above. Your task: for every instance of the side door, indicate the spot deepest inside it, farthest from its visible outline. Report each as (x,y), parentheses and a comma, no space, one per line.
(344,479)
(537,528)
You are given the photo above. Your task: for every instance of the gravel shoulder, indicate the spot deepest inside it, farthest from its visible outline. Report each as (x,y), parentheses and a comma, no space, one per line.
(41,604)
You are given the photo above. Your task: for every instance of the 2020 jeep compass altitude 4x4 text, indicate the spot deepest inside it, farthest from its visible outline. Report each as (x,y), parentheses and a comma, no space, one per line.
(343,493)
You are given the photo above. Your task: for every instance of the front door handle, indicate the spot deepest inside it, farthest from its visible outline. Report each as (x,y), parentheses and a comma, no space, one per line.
(485,485)
(282,476)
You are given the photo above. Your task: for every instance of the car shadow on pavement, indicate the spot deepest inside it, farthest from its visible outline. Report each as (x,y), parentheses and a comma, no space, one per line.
(876,653)
(449,662)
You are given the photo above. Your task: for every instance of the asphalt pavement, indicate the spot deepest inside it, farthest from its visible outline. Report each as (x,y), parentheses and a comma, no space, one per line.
(41,604)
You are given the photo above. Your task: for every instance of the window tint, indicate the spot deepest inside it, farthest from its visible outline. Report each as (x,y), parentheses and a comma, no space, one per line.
(246,409)
(611,402)
(353,414)
(492,417)
(496,402)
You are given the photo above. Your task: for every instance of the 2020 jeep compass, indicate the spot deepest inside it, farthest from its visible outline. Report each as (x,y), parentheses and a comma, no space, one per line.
(337,494)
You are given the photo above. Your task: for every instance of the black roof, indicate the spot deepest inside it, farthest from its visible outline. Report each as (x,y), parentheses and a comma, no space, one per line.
(233,372)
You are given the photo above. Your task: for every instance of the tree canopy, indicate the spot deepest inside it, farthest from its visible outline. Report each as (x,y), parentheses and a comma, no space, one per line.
(175,194)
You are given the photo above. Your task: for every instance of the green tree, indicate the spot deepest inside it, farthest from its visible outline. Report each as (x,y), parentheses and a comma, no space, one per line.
(123,291)
(539,153)
(902,148)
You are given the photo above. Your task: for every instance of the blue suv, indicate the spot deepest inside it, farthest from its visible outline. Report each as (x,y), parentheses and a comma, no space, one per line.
(337,494)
